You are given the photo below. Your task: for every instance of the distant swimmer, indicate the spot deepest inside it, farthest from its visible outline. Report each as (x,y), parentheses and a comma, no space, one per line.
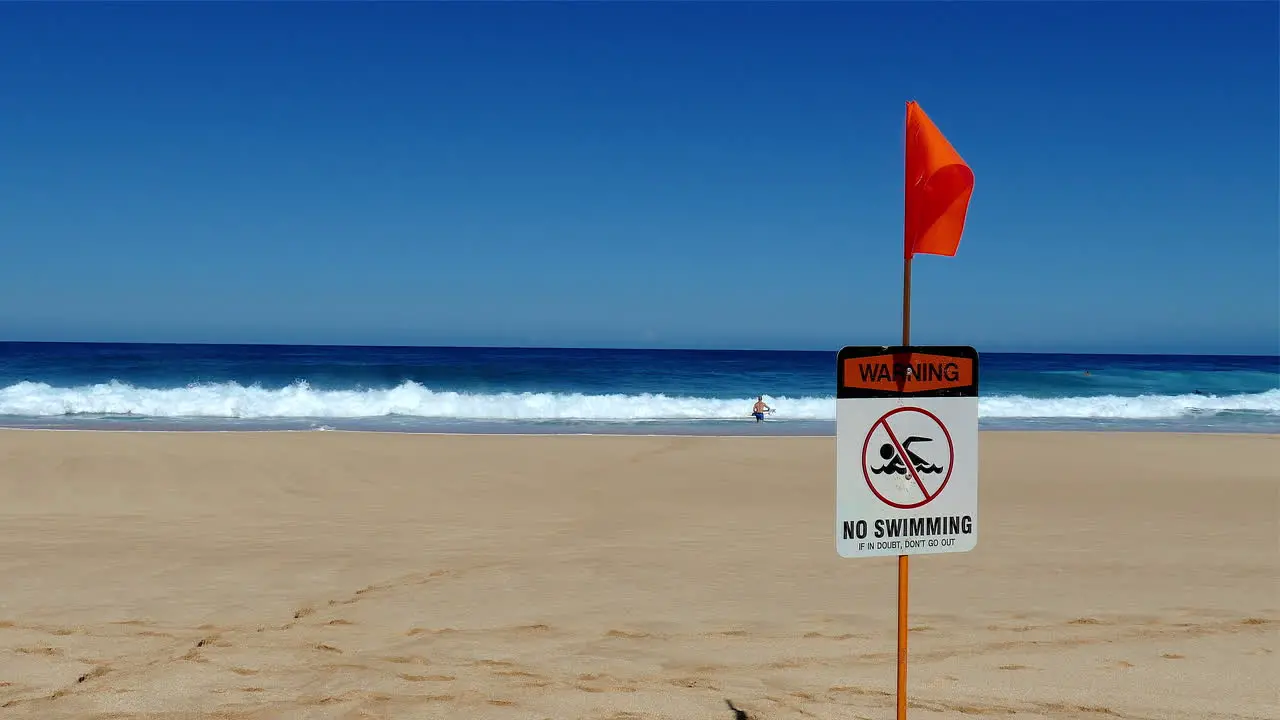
(760,409)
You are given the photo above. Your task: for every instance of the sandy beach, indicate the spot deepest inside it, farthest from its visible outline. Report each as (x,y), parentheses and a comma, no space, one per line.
(335,575)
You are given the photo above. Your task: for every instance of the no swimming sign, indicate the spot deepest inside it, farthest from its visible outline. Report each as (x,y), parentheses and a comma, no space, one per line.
(906,450)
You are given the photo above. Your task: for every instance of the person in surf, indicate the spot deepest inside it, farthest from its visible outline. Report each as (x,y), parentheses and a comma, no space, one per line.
(760,408)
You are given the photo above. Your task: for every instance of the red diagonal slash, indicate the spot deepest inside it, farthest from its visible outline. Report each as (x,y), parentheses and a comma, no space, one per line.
(902,453)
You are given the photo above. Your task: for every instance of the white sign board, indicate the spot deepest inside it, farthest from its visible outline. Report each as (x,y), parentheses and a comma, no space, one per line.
(906,450)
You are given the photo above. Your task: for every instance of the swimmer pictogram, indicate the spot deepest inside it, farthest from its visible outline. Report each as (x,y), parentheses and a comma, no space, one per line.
(899,470)
(897,466)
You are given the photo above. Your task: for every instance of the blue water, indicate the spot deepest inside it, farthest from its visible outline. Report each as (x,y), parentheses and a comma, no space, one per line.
(133,386)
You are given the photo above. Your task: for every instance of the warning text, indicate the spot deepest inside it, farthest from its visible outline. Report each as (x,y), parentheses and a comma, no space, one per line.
(909,527)
(902,372)
(908,372)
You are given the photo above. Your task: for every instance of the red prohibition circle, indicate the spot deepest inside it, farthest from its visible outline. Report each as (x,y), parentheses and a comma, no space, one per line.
(951,449)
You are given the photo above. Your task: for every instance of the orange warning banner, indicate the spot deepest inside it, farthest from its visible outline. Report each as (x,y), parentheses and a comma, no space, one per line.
(908,372)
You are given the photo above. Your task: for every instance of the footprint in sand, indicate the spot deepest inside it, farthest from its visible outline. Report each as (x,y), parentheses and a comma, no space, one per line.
(1076,709)
(404,660)
(694,682)
(516,673)
(615,688)
(429,631)
(851,690)
(426,678)
(818,635)
(601,684)
(97,672)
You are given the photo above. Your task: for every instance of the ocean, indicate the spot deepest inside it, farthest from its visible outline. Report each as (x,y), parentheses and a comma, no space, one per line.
(521,390)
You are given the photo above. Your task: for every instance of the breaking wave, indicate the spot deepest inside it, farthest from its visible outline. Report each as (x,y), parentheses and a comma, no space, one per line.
(410,399)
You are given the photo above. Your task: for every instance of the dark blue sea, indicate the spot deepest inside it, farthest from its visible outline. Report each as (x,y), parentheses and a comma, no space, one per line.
(410,389)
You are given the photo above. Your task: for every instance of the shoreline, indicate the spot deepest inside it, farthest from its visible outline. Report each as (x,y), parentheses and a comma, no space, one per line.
(1273,433)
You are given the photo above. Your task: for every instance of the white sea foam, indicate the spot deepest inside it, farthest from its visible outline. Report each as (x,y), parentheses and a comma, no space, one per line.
(230,400)
(1142,407)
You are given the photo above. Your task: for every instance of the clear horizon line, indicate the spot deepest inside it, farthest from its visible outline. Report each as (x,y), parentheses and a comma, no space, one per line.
(618,348)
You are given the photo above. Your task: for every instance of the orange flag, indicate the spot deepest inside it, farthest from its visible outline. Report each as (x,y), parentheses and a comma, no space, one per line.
(939,185)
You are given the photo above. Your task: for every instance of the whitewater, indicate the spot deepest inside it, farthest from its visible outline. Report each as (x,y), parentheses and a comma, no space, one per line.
(409,399)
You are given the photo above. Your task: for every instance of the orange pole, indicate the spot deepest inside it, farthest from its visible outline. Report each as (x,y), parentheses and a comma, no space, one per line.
(902,559)
(902,637)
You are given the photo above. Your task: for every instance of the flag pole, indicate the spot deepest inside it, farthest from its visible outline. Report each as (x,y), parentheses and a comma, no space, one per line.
(903,559)
(932,223)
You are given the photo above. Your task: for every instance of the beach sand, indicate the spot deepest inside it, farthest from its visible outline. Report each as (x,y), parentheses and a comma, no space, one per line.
(335,575)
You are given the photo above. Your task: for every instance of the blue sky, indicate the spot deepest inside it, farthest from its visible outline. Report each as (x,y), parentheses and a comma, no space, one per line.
(692,175)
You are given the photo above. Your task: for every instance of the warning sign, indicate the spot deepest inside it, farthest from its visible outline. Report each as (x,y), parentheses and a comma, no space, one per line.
(906,450)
